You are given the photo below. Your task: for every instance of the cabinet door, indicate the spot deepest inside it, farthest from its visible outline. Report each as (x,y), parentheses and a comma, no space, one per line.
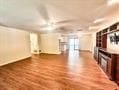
(109,68)
(96,53)
(104,64)
(99,59)
(117,70)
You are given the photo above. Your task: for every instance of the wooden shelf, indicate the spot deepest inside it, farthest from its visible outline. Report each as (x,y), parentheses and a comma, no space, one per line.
(113,31)
(102,35)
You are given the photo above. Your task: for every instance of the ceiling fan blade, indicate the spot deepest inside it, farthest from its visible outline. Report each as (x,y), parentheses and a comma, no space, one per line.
(1,24)
(65,21)
(79,30)
(42,9)
(43,26)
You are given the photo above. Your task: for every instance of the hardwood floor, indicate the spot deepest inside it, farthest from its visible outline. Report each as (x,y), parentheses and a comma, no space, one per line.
(71,71)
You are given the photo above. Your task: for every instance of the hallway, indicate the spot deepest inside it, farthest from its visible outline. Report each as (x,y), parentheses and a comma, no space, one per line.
(73,71)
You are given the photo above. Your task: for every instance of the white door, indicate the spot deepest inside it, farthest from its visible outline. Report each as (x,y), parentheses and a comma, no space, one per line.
(74,44)
(34,43)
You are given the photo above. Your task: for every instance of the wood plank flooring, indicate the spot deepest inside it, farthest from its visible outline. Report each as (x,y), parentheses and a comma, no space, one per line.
(69,71)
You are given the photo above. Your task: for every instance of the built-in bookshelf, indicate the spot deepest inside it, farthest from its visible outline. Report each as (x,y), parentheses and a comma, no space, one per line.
(107,59)
(101,36)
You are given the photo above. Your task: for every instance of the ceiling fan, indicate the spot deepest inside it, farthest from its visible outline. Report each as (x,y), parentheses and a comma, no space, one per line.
(43,11)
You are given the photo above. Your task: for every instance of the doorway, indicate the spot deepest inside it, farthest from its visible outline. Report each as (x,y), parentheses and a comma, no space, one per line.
(73,44)
(34,43)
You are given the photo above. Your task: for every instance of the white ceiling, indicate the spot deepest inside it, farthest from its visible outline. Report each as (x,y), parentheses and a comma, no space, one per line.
(33,14)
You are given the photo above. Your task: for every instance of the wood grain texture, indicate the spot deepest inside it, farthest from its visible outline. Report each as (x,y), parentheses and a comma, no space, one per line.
(117,70)
(69,71)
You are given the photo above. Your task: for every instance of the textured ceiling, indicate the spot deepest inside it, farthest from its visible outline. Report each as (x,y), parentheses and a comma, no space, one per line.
(81,14)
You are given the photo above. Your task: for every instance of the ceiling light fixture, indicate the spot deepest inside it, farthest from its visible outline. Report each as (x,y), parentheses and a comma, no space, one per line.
(111,2)
(50,26)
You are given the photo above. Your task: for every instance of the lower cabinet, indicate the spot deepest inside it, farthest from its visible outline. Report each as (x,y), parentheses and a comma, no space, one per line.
(110,72)
(103,62)
(117,70)
(96,54)
(107,64)
(108,60)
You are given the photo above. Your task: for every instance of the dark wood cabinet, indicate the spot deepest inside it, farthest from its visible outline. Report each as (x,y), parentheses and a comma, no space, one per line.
(110,69)
(96,54)
(107,59)
(103,62)
(117,69)
(107,62)
(101,38)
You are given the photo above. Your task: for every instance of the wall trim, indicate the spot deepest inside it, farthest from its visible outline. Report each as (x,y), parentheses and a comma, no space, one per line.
(52,53)
(3,64)
(85,51)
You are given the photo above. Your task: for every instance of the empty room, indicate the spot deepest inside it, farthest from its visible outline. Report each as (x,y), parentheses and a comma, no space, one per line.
(59,44)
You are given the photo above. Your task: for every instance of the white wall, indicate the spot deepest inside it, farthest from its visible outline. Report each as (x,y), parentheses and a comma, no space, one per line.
(85,42)
(14,45)
(50,43)
(93,41)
